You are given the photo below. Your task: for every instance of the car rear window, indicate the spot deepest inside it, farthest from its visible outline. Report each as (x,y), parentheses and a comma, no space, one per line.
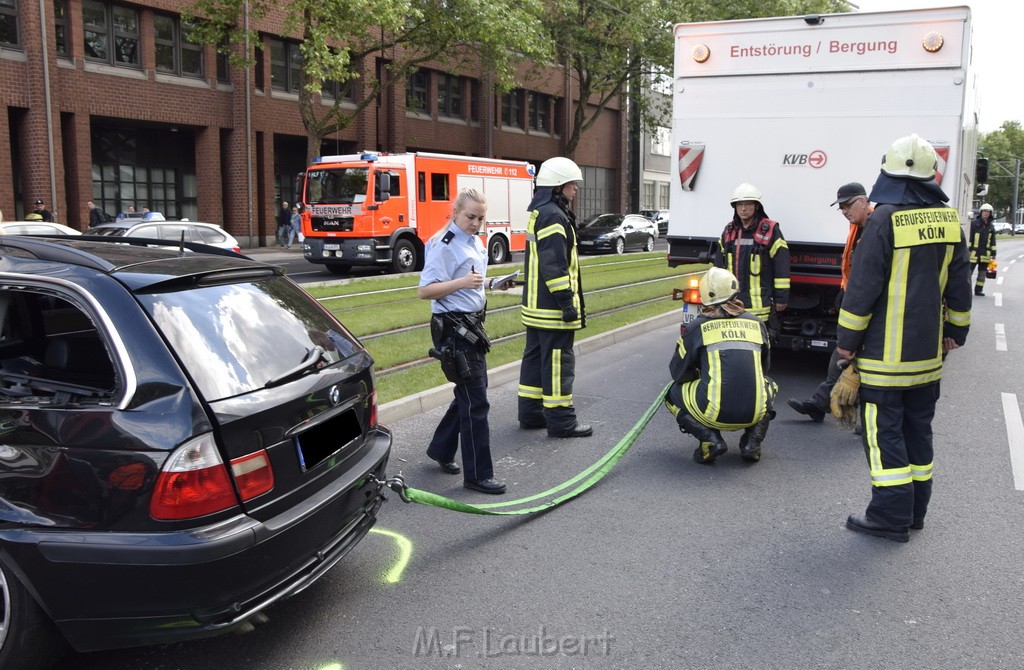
(209,235)
(234,338)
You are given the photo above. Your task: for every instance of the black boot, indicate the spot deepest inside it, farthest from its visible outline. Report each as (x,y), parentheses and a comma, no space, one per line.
(750,441)
(712,445)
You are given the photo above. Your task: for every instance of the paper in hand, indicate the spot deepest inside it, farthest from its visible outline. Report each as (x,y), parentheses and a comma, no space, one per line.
(505,282)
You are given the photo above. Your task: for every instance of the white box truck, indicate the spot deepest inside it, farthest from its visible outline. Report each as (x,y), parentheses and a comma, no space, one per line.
(799,106)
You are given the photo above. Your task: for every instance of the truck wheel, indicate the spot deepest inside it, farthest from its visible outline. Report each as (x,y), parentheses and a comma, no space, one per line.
(620,246)
(339,268)
(403,256)
(649,244)
(497,250)
(28,639)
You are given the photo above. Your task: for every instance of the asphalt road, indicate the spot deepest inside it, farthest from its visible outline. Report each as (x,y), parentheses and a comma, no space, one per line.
(669,564)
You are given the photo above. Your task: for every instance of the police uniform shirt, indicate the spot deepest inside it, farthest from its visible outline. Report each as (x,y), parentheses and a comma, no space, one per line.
(451,255)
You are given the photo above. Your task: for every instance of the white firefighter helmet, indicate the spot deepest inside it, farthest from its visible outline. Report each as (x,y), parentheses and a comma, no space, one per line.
(746,193)
(910,157)
(557,171)
(986,208)
(718,285)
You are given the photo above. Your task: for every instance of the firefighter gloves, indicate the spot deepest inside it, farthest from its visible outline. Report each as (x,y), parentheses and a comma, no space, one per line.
(844,397)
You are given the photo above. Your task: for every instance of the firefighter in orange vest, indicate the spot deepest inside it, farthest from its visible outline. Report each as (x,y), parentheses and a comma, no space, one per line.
(753,249)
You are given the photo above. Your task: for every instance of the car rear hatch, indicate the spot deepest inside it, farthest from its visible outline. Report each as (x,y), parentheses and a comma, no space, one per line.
(284,382)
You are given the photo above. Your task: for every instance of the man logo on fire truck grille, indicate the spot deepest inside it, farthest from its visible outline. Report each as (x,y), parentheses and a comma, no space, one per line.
(690,156)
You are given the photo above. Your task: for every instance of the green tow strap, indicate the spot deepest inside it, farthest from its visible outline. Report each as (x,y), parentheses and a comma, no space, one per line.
(585,479)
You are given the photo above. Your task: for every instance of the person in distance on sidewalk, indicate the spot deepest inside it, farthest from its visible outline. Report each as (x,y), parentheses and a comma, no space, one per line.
(853,203)
(718,366)
(553,307)
(453,277)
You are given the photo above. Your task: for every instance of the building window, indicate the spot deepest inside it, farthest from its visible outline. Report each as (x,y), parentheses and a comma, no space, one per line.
(449,96)
(223,72)
(60,26)
(474,100)
(540,112)
(111,33)
(559,119)
(9,22)
(174,53)
(285,65)
(416,91)
(661,141)
(258,69)
(512,108)
(649,196)
(663,188)
(338,90)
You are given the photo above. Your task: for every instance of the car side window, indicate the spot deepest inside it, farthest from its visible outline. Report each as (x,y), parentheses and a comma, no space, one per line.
(51,351)
(174,231)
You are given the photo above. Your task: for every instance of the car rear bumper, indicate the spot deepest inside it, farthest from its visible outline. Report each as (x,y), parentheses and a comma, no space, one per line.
(131,589)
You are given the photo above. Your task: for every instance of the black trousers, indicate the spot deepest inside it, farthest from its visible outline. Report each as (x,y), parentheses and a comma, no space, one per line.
(982,268)
(822,398)
(898,444)
(465,421)
(545,380)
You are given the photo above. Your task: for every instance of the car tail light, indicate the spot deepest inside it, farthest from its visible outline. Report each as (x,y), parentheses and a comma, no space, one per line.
(193,483)
(373,408)
(253,474)
(237,250)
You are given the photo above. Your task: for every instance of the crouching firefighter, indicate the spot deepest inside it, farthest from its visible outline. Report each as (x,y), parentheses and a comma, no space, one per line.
(453,279)
(718,367)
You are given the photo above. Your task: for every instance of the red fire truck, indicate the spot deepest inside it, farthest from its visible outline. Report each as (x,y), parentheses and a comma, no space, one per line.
(380,209)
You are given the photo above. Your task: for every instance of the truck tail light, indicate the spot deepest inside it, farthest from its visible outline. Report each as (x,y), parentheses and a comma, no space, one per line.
(690,294)
(253,474)
(373,408)
(193,483)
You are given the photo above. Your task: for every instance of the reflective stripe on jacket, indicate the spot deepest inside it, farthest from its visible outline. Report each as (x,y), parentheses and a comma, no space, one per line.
(552,269)
(909,287)
(721,364)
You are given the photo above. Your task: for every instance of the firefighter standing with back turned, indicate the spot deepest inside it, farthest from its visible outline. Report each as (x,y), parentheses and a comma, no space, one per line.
(753,249)
(719,367)
(908,303)
(982,245)
(553,307)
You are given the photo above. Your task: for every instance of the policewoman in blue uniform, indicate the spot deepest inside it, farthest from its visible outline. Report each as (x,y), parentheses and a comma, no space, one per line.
(907,304)
(453,279)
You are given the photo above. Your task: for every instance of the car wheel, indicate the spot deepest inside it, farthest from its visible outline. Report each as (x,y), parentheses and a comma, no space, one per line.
(497,250)
(649,244)
(28,639)
(403,256)
(620,245)
(339,268)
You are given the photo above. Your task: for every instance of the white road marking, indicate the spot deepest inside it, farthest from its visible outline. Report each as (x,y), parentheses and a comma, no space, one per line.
(1000,337)
(999,281)
(1015,438)
(998,299)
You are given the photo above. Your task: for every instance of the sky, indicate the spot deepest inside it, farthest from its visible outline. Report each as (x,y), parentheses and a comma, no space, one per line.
(996,25)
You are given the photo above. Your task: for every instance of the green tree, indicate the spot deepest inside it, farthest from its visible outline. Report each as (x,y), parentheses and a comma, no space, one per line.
(338,37)
(1003,148)
(610,46)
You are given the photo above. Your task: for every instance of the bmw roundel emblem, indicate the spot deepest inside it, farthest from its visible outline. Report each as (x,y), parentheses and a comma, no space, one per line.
(334,395)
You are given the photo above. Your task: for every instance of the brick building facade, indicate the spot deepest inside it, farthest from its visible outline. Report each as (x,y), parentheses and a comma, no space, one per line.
(111,103)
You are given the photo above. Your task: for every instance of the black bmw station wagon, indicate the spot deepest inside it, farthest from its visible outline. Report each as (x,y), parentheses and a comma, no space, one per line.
(186,437)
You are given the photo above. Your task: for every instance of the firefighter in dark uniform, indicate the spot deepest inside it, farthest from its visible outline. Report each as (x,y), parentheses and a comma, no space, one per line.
(753,249)
(907,304)
(453,279)
(982,245)
(553,307)
(719,367)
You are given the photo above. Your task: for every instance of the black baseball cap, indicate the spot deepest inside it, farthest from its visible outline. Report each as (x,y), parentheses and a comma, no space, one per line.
(847,192)
(38,201)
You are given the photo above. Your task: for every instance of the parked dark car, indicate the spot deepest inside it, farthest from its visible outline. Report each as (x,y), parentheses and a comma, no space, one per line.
(659,217)
(616,233)
(185,439)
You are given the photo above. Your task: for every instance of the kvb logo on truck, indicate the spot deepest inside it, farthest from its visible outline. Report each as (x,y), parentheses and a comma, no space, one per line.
(815,159)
